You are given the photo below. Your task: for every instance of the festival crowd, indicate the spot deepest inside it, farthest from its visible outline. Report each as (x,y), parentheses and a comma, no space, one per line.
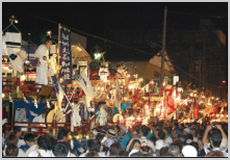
(159,139)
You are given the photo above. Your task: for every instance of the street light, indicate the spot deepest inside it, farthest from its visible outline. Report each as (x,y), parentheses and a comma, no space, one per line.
(48,33)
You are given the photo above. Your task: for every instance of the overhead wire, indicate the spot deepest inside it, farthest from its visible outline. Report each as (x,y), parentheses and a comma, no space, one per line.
(122,45)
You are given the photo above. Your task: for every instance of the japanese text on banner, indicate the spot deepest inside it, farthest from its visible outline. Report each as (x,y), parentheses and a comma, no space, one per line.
(66,57)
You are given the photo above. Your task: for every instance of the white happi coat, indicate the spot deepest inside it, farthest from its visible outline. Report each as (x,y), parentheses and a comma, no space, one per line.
(41,71)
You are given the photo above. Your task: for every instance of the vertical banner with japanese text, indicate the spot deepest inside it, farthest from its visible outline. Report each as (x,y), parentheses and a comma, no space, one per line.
(65,56)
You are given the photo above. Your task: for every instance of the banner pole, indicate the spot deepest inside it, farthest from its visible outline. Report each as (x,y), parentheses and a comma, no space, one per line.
(59,39)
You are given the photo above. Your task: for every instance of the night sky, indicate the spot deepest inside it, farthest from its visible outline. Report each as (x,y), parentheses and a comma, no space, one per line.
(99,17)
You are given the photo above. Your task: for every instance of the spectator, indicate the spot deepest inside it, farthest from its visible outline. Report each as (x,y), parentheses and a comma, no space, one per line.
(61,149)
(124,136)
(13,139)
(186,131)
(153,139)
(12,150)
(115,150)
(174,150)
(189,151)
(201,152)
(145,151)
(143,134)
(214,154)
(134,136)
(134,147)
(62,135)
(153,127)
(93,145)
(92,154)
(111,134)
(216,135)
(42,148)
(29,139)
(117,129)
(193,132)
(163,151)
(168,140)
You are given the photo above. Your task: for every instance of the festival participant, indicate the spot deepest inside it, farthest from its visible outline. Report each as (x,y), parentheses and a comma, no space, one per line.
(18,132)
(61,149)
(29,139)
(13,139)
(12,150)
(143,134)
(153,128)
(214,141)
(42,148)
(124,136)
(40,118)
(93,145)
(42,57)
(111,134)
(160,143)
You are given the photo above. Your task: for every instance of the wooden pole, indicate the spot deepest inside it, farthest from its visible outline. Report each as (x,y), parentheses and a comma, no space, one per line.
(163,48)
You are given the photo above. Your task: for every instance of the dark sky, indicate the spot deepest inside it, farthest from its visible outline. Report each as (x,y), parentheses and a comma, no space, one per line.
(99,17)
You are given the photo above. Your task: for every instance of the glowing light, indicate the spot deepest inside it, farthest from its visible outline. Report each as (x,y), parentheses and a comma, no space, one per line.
(222,115)
(15,21)
(138,118)
(3,95)
(141,79)
(61,80)
(48,33)
(87,137)
(164,84)
(203,96)
(97,55)
(212,97)
(77,137)
(23,78)
(191,94)
(98,88)
(128,75)
(217,99)
(102,89)
(217,115)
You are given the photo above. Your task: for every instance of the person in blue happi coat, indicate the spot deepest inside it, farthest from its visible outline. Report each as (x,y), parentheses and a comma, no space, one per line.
(124,136)
(123,107)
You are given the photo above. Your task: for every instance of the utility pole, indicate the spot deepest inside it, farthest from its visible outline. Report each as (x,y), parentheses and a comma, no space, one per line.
(163,48)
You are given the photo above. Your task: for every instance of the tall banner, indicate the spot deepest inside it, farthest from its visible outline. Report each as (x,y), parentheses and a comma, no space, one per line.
(170,103)
(31,50)
(65,56)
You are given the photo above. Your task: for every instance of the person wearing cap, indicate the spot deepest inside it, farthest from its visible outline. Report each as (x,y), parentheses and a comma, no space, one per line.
(42,58)
(125,136)
(189,151)
(186,131)
(215,139)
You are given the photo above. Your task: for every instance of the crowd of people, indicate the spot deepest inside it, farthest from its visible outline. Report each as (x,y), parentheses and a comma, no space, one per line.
(161,139)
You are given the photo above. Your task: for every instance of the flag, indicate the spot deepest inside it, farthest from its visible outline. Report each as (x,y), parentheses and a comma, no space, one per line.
(195,113)
(86,86)
(118,97)
(216,109)
(170,102)
(58,88)
(222,108)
